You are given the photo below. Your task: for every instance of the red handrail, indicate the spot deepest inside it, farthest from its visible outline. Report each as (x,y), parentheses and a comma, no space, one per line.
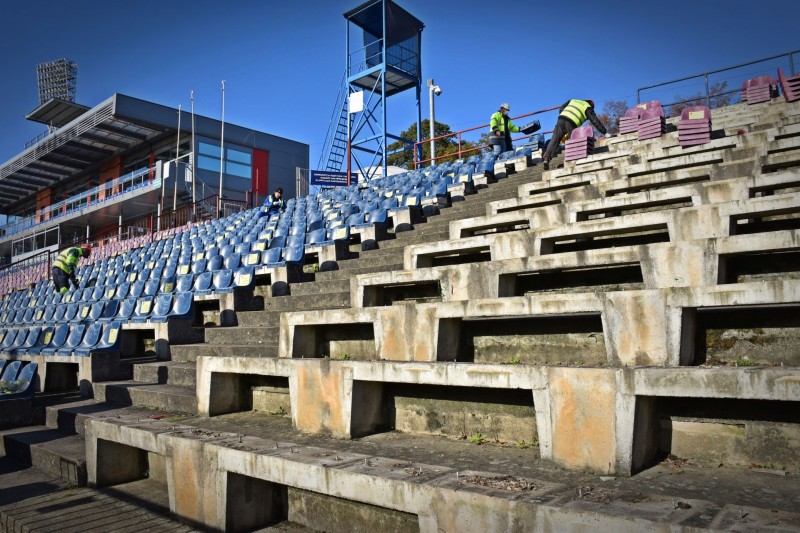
(461,132)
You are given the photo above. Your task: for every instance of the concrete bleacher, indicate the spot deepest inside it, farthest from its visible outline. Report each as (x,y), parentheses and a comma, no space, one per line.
(593,325)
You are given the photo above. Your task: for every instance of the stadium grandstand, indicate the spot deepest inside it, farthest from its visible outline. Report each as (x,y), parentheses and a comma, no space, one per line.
(474,344)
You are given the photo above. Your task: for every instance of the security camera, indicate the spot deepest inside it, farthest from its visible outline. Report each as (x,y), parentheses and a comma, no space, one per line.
(437,90)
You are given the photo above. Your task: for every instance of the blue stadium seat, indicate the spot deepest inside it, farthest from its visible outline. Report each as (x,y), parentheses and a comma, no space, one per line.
(136,289)
(110,310)
(26,338)
(182,305)
(223,281)
(97,310)
(184,283)
(24,383)
(215,263)
(161,308)
(277,242)
(202,283)
(144,306)
(90,338)
(126,308)
(244,278)
(151,287)
(74,339)
(10,371)
(233,261)
(272,257)
(44,338)
(109,340)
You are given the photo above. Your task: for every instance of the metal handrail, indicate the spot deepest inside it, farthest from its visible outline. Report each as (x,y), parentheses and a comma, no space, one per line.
(708,96)
(461,152)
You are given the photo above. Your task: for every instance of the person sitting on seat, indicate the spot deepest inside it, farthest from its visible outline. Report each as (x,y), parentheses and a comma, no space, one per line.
(571,115)
(274,202)
(63,271)
(501,128)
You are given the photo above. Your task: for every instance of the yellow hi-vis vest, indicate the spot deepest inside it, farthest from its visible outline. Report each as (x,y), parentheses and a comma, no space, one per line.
(67,260)
(576,111)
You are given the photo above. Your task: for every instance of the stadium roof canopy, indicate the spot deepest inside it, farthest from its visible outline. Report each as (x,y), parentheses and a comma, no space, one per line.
(85,138)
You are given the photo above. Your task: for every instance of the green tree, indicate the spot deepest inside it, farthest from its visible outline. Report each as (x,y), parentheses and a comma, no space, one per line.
(445,148)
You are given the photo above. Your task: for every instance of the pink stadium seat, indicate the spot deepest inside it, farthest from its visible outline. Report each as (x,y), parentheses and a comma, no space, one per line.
(789,86)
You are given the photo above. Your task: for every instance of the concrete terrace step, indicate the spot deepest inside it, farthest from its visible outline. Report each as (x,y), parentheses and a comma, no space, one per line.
(169,398)
(71,417)
(190,352)
(308,301)
(169,372)
(137,506)
(55,452)
(243,335)
(318,287)
(347,274)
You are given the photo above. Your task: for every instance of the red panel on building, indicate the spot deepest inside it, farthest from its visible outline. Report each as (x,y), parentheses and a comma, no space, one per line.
(260,173)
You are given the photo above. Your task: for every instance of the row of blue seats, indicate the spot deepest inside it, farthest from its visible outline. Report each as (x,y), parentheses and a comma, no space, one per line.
(62,339)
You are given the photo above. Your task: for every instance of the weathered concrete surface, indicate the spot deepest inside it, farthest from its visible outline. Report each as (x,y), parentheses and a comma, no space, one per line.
(455,485)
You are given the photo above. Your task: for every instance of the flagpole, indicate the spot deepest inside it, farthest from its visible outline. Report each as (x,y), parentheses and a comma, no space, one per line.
(221,152)
(194,159)
(177,155)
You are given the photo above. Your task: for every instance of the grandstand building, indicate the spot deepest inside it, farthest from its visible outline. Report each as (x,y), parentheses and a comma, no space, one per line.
(104,173)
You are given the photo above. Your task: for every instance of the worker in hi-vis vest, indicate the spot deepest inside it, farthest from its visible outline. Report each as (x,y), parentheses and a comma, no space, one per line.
(571,115)
(500,129)
(66,263)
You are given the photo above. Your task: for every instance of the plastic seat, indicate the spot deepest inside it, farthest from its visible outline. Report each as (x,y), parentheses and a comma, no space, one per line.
(136,289)
(126,309)
(10,371)
(182,305)
(223,281)
(110,310)
(184,283)
(233,261)
(198,266)
(244,278)
(315,237)
(24,385)
(144,306)
(294,255)
(90,338)
(162,307)
(74,339)
(25,339)
(151,287)
(97,310)
(215,263)
(272,257)
(202,283)
(277,242)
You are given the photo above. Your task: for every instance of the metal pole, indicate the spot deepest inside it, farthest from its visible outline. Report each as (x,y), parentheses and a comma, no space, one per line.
(221,151)
(432,122)
(194,161)
(177,155)
(708,100)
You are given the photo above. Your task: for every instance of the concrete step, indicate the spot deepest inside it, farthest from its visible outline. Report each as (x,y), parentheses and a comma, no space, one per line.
(72,417)
(169,372)
(317,287)
(141,505)
(257,318)
(424,238)
(387,257)
(167,398)
(328,300)
(52,451)
(243,335)
(190,352)
(347,274)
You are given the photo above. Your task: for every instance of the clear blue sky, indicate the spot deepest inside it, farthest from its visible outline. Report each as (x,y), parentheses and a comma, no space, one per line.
(283,61)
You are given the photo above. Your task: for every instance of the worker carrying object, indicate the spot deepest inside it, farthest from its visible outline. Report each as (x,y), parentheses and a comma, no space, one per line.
(571,115)
(500,128)
(65,265)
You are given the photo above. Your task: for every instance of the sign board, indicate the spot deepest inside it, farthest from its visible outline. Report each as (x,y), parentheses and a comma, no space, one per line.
(327,178)
(355,102)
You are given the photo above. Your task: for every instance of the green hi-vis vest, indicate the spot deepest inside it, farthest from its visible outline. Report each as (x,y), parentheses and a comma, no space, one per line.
(576,111)
(68,259)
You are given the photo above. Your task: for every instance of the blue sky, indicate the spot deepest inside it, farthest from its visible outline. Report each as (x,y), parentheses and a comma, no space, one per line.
(283,61)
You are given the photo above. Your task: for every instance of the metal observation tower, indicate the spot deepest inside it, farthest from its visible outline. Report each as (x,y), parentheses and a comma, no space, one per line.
(383,59)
